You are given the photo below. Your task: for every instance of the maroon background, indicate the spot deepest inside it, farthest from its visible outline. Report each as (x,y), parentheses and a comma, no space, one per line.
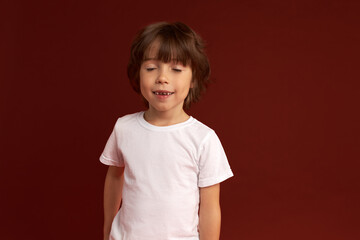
(285,103)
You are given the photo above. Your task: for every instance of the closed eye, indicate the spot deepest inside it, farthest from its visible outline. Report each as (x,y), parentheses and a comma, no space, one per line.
(150,69)
(177,70)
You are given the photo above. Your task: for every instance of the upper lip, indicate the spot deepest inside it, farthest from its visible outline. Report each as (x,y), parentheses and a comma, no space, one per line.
(165,91)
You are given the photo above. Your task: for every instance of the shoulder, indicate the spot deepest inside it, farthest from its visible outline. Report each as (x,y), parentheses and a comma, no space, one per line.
(199,131)
(208,135)
(199,126)
(126,120)
(128,117)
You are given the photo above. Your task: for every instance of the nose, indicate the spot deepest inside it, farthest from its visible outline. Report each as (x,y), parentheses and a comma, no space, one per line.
(162,77)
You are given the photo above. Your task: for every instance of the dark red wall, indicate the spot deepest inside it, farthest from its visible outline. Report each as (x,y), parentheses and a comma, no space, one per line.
(285,103)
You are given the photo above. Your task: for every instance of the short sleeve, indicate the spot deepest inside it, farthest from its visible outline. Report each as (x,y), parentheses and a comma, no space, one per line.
(111,154)
(213,164)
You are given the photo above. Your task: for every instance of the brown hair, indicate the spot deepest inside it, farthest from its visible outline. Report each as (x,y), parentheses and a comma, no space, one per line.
(177,41)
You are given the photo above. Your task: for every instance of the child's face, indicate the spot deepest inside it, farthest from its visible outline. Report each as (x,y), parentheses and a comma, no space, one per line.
(164,85)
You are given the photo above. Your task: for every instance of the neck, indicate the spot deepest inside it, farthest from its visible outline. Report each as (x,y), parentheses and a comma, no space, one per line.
(165,118)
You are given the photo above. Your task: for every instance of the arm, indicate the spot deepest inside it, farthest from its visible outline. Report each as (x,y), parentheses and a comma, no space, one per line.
(210,214)
(112,196)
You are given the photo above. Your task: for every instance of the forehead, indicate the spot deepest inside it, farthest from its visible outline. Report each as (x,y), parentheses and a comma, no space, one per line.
(167,50)
(153,49)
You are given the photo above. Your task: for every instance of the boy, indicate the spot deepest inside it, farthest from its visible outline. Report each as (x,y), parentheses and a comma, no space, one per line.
(164,166)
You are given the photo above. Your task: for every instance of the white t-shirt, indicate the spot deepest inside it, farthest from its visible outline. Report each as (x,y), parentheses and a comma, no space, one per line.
(164,168)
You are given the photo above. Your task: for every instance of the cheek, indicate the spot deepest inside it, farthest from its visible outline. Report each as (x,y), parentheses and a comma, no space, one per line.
(146,78)
(143,80)
(187,82)
(144,86)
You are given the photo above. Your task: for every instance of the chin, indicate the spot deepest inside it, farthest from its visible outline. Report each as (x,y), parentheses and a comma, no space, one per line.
(162,109)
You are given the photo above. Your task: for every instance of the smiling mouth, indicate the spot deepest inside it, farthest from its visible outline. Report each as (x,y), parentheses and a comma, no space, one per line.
(163,93)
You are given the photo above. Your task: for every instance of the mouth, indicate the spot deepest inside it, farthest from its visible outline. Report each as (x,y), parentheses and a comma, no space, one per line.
(163,93)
